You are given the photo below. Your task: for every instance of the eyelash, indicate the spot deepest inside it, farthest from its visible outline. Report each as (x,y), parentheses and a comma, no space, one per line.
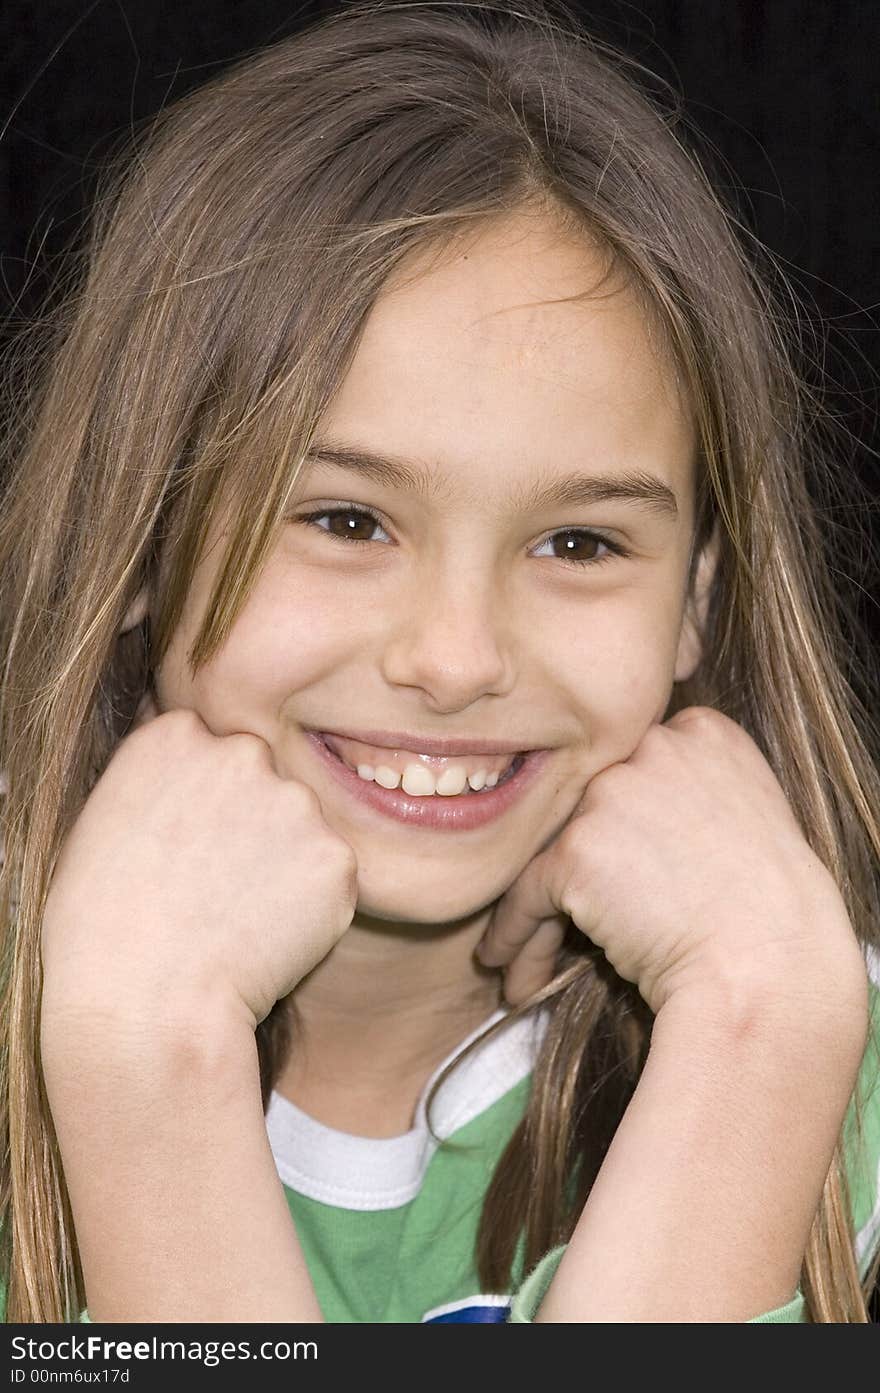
(615,550)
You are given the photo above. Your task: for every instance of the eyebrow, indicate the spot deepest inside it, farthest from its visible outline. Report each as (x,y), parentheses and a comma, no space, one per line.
(631,486)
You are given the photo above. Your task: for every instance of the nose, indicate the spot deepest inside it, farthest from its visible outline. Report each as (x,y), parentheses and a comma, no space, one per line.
(451,638)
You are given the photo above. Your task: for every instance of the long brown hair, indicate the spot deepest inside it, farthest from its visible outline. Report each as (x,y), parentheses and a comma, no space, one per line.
(230,268)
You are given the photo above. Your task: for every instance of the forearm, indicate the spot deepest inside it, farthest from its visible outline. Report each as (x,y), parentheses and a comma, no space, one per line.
(702,1208)
(178,1208)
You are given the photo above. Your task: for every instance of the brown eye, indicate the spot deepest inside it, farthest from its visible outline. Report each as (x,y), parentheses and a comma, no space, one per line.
(351,524)
(576,546)
(345,524)
(580,546)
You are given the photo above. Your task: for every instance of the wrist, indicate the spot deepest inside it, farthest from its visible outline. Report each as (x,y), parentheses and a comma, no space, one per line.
(173,1116)
(817,1009)
(713,1177)
(139,1040)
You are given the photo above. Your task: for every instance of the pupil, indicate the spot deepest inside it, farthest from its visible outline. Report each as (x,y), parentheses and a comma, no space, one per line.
(572,541)
(347,524)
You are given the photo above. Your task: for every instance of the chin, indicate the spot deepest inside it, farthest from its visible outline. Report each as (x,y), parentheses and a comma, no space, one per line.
(418,909)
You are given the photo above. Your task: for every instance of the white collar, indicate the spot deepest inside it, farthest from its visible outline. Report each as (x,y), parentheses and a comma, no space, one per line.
(369,1173)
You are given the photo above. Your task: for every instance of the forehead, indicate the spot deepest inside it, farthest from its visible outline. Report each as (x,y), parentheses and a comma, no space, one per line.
(512,353)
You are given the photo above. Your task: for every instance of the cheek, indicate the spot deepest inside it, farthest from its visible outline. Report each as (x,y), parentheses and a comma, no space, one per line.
(617,669)
(294,631)
(273,653)
(290,634)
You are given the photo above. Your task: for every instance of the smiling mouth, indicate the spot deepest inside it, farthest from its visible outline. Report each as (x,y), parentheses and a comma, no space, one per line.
(419,782)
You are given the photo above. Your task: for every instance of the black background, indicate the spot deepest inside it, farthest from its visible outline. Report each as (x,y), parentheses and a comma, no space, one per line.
(784,90)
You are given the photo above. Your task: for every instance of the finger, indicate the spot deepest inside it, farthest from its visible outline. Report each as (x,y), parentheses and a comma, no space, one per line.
(535,965)
(532,898)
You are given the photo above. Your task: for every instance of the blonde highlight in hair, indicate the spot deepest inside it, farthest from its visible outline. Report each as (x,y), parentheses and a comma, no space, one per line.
(183,374)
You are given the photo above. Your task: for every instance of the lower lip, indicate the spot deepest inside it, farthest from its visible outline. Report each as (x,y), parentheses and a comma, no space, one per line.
(456,813)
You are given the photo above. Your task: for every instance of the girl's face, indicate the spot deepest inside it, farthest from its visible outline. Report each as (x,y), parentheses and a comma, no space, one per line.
(456,612)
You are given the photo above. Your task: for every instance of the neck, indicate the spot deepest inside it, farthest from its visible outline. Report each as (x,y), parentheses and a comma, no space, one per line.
(374,1019)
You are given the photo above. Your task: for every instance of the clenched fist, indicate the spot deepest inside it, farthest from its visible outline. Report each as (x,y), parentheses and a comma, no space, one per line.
(193,872)
(686,865)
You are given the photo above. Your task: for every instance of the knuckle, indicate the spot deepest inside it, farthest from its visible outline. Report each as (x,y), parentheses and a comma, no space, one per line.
(182,717)
(577,847)
(306,797)
(181,725)
(342,852)
(609,782)
(249,747)
(723,731)
(575,894)
(704,718)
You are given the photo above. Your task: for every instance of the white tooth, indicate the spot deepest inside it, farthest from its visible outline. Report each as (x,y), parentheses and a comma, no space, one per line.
(366,771)
(452,780)
(492,780)
(388,778)
(418,779)
(477,780)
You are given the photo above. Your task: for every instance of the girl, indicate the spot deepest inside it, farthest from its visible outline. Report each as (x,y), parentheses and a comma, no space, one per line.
(424,702)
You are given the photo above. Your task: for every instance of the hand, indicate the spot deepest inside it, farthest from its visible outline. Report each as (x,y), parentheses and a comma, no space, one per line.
(685,864)
(193,869)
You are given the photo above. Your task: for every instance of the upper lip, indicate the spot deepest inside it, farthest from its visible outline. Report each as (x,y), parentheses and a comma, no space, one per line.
(431,745)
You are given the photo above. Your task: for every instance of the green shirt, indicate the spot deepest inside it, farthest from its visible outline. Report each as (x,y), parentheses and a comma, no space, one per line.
(388,1225)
